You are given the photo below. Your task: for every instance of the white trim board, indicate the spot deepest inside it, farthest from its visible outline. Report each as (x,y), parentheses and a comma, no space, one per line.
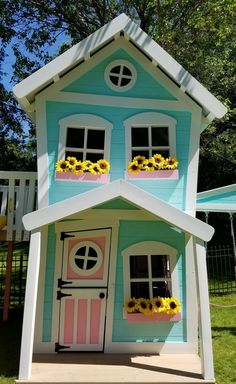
(207,207)
(216,191)
(129,192)
(44,76)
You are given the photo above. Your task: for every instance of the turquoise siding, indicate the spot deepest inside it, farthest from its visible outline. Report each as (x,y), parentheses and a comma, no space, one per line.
(132,232)
(172,191)
(93,81)
(49,285)
(223,198)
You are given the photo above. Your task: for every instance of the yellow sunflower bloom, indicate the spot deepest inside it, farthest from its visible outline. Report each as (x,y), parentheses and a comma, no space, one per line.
(140,159)
(159,304)
(173,306)
(159,161)
(171,163)
(95,169)
(149,165)
(134,167)
(143,307)
(130,305)
(151,308)
(87,164)
(62,166)
(78,168)
(71,162)
(104,165)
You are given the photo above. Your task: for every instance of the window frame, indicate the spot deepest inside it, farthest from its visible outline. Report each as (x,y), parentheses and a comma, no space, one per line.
(123,63)
(150,119)
(86,121)
(150,248)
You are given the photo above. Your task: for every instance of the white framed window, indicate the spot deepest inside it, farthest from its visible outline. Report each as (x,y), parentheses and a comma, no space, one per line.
(150,270)
(120,75)
(86,258)
(149,133)
(84,136)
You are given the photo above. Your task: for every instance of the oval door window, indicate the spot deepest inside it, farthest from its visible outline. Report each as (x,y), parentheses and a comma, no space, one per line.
(86,258)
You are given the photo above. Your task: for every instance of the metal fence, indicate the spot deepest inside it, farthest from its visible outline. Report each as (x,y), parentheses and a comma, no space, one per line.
(18,275)
(221,270)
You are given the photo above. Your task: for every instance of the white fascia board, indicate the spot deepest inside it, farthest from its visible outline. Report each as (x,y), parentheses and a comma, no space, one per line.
(207,207)
(216,192)
(69,58)
(133,194)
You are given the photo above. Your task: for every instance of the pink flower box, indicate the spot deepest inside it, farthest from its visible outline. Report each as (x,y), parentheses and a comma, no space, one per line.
(85,177)
(162,174)
(156,317)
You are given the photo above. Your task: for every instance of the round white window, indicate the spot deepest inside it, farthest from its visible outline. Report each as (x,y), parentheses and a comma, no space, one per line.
(120,75)
(86,258)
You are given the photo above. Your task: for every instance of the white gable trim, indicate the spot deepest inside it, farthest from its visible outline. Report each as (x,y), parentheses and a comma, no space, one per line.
(216,191)
(82,50)
(119,188)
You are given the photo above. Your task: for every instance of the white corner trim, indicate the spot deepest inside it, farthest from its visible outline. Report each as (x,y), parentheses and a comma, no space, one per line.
(119,188)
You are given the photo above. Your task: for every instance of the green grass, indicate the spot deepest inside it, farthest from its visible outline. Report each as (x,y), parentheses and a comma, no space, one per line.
(223,322)
(223,335)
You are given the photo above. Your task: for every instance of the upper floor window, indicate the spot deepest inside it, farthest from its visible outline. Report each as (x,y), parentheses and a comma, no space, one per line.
(149,133)
(84,136)
(120,75)
(150,270)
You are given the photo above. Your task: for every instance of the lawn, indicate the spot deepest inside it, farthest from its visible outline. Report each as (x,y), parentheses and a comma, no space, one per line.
(223,333)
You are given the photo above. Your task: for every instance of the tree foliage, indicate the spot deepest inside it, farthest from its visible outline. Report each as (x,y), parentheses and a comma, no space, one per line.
(200,34)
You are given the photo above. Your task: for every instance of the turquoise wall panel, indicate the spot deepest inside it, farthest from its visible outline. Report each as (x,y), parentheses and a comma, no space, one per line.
(93,81)
(49,285)
(132,232)
(172,191)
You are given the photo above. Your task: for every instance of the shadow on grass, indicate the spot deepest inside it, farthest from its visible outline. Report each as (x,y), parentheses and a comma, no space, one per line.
(10,336)
(231,330)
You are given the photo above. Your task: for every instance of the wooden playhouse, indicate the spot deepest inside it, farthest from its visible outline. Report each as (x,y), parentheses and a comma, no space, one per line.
(109,231)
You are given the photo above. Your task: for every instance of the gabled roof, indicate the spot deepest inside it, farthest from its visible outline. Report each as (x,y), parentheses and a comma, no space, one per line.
(127,191)
(217,200)
(26,90)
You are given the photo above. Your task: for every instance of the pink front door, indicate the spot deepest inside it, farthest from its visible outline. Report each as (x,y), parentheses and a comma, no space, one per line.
(83,290)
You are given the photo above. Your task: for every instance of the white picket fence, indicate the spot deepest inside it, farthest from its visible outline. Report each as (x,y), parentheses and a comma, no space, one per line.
(18,196)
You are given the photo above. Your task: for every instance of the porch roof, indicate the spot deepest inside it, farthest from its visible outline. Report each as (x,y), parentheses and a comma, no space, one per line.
(127,191)
(221,199)
(27,89)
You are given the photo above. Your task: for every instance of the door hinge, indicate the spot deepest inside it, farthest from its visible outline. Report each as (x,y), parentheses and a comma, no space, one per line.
(60,294)
(59,347)
(64,235)
(61,283)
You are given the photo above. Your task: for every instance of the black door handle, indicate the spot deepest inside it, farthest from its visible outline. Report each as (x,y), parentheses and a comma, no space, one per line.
(101,295)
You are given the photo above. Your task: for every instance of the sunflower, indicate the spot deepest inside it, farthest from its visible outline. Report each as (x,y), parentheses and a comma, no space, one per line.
(130,305)
(140,159)
(78,168)
(88,164)
(71,162)
(173,306)
(159,161)
(159,304)
(149,165)
(134,167)
(171,163)
(150,307)
(62,166)
(143,307)
(104,166)
(95,169)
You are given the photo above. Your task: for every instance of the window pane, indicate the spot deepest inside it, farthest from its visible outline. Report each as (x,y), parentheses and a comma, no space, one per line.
(161,288)
(160,266)
(92,252)
(78,155)
(141,153)
(116,69)
(139,137)
(114,80)
(139,290)
(164,152)
(160,136)
(125,81)
(126,71)
(91,264)
(94,157)
(138,266)
(95,139)
(75,137)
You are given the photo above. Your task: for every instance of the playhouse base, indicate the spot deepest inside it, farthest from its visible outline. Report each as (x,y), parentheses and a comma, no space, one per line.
(99,368)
